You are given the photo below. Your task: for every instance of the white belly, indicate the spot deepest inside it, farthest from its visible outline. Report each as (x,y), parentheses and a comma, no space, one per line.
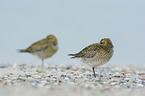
(93,63)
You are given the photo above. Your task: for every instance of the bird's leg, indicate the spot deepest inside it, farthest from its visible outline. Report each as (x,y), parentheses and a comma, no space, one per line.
(43,63)
(94,72)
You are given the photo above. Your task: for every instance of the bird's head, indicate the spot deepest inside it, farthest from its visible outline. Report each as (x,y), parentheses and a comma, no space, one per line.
(106,42)
(51,38)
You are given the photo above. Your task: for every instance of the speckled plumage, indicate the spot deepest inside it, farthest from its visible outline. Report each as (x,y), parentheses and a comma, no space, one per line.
(44,48)
(96,54)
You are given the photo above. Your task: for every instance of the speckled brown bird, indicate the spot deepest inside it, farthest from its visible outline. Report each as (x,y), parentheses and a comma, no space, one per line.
(96,54)
(44,48)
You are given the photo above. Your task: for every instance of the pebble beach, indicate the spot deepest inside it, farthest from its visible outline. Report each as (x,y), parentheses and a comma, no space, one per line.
(68,80)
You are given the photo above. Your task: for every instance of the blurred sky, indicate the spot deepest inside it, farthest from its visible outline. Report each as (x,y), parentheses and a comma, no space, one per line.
(76,24)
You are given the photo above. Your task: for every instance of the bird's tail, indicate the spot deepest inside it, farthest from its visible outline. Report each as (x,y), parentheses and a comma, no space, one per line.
(21,50)
(73,55)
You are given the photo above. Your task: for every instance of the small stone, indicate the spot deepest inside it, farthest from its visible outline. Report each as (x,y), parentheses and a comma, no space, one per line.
(142,73)
(139,85)
(60,81)
(3,66)
(28,75)
(68,67)
(127,79)
(40,71)
(63,75)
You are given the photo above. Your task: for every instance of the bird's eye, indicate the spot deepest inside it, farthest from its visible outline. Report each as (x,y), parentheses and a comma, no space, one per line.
(54,44)
(101,42)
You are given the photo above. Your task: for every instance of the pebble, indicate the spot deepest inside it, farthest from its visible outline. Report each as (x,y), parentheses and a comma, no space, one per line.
(116,77)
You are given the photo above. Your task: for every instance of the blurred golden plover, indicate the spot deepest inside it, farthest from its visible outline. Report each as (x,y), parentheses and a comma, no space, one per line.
(44,48)
(96,54)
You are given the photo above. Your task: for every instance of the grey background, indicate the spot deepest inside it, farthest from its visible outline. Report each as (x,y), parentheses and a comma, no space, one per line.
(76,24)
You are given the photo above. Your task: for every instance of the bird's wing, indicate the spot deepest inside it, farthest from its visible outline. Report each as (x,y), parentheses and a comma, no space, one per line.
(38,46)
(87,52)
